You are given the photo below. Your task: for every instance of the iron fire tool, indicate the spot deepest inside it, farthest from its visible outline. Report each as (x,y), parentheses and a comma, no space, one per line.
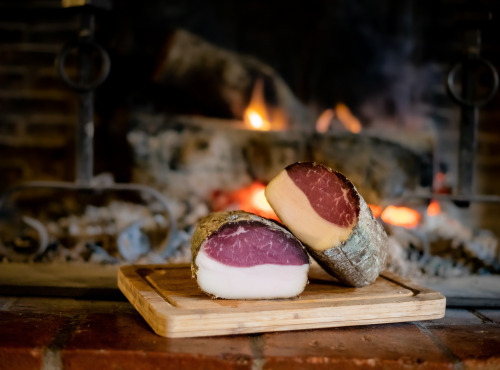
(464,92)
(470,103)
(84,45)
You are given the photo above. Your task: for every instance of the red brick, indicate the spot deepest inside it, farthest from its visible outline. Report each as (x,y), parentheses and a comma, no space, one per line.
(20,104)
(380,346)
(42,131)
(7,128)
(125,341)
(12,80)
(25,337)
(12,33)
(48,82)
(473,344)
(114,335)
(12,56)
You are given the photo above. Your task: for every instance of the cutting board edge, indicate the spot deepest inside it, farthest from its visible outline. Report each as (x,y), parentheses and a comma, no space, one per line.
(160,330)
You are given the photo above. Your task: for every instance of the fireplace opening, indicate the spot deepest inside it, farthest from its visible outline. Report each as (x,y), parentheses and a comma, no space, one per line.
(205,102)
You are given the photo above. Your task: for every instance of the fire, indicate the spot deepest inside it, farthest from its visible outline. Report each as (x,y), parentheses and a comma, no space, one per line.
(376,210)
(250,199)
(433,209)
(256,120)
(400,216)
(348,119)
(258,116)
(344,116)
(324,120)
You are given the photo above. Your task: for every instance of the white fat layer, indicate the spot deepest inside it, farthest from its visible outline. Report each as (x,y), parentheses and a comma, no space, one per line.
(306,225)
(257,282)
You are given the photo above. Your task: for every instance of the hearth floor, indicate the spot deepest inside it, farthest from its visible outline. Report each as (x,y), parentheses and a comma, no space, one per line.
(53,333)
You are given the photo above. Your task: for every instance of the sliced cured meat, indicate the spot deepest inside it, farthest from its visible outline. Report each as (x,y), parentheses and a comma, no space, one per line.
(239,255)
(323,209)
(330,194)
(252,243)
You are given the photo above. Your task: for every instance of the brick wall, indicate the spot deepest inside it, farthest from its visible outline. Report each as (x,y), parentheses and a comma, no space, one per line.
(37,111)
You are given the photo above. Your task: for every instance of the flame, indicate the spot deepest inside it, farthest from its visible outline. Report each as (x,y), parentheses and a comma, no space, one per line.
(433,209)
(400,216)
(344,116)
(347,119)
(324,120)
(258,116)
(256,120)
(376,210)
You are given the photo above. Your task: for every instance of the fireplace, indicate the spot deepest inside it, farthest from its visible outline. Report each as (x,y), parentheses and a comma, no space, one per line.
(359,88)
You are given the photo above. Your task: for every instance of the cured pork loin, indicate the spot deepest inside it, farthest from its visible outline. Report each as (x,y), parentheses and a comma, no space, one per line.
(239,255)
(323,209)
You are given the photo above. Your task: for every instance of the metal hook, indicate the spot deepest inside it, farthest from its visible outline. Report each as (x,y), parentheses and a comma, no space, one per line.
(80,44)
(450,84)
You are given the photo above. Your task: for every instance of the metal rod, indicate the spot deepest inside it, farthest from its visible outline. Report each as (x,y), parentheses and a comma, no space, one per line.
(85,130)
(84,150)
(469,116)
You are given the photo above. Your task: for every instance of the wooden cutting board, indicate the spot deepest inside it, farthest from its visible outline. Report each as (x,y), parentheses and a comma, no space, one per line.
(170,301)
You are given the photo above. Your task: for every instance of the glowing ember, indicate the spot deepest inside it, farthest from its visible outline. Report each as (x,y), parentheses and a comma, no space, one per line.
(252,199)
(259,201)
(345,116)
(433,209)
(400,216)
(376,210)
(440,177)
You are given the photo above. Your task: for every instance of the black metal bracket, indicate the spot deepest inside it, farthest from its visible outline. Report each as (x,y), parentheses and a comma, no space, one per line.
(468,100)
(83,46)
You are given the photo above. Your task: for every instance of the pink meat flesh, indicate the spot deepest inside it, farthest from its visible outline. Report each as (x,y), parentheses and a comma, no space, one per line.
(246,244)
(330,196)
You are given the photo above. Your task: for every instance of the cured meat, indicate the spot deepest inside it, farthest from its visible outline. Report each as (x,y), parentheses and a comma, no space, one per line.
(323,209)
(239,255)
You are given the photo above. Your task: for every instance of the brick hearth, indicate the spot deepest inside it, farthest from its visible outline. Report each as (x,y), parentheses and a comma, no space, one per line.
(53,333)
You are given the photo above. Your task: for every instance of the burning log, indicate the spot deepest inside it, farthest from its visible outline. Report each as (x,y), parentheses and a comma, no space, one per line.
(382,168)
(222,80)
(325,211)
(239,255)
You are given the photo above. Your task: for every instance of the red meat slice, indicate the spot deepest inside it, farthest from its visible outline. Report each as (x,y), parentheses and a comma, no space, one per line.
(329,193)
(250,243)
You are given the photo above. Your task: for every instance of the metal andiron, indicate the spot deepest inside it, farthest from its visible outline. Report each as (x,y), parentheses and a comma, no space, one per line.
(87,49)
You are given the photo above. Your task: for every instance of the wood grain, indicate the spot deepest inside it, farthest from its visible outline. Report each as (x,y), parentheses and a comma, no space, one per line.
(170,301)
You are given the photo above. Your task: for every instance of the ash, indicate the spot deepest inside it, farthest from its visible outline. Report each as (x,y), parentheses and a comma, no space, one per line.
(443,247)
(440,246)
(120,232)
